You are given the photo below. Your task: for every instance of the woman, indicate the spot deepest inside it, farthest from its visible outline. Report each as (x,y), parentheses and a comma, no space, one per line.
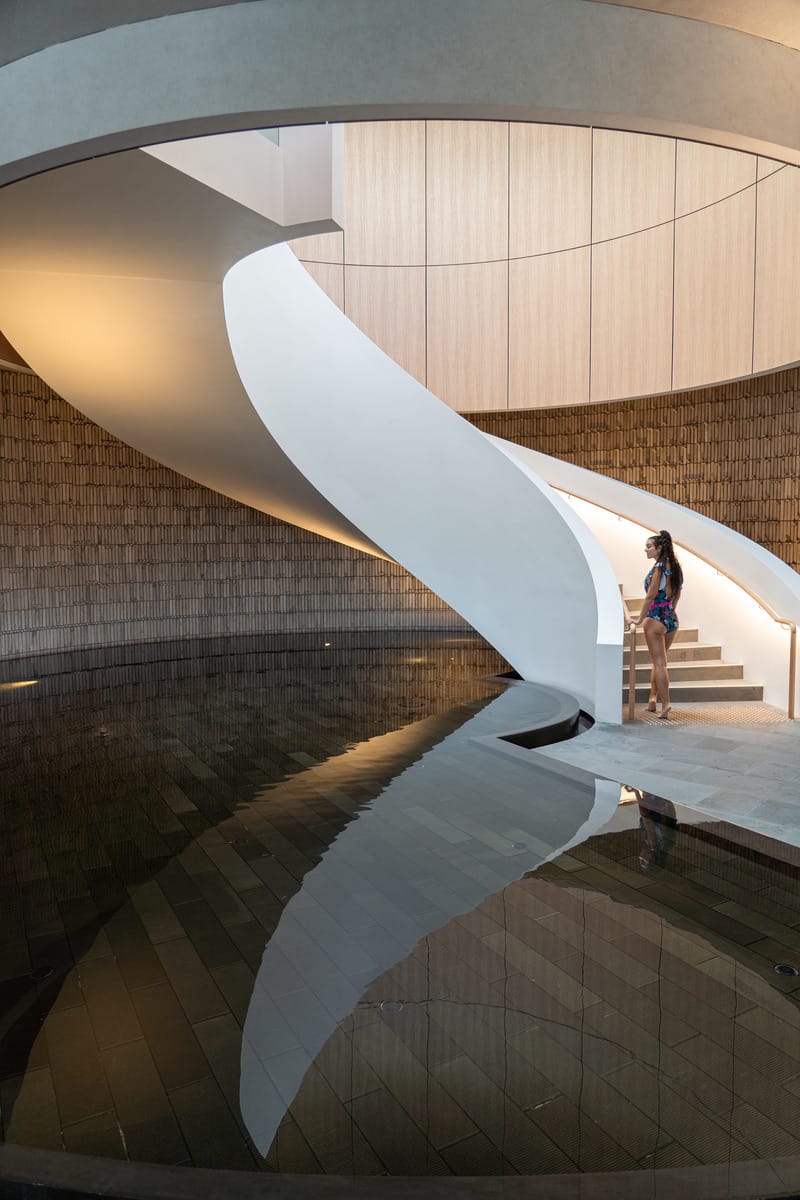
(663,584)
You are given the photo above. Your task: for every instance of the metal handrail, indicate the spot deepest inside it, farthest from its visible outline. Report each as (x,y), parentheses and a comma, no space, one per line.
(790,625)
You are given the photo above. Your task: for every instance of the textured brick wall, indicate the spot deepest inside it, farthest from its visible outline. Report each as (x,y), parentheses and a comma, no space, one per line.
(100,545)
(731,452)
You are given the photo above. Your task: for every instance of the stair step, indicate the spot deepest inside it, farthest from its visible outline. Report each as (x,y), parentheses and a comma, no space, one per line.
(683,635)
(704,691)
(679,652)
(694,669)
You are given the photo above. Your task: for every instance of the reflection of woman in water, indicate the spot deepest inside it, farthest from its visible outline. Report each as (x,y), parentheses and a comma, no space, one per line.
(663,586)
(658,823)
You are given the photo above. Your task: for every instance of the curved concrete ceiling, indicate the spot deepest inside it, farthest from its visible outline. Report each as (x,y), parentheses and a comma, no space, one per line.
(775,20)
(31,26)
(250,65)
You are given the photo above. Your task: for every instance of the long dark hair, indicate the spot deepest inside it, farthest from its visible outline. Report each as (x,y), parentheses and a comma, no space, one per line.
(666,555)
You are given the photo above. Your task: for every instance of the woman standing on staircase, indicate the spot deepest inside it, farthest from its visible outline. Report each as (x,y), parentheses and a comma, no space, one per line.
(663,585)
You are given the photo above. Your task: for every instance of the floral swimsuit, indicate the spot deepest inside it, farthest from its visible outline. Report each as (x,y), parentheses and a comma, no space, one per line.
(661,608)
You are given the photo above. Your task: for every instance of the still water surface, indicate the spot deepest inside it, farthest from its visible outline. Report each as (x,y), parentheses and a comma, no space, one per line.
(299,910)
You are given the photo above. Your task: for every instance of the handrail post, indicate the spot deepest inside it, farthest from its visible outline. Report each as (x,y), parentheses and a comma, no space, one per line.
(792,669)
(632,673)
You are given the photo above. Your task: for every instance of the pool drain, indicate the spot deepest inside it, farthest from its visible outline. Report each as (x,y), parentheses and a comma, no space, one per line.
(785,969)
(392,1006)
(38,974)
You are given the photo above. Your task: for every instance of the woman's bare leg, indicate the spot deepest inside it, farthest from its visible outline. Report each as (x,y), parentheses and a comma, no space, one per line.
(651,699)
(668,640)
(655,636)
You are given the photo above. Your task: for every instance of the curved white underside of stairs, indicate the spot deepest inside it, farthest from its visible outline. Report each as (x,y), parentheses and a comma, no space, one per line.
(744,560)
(483,532)
(110,277)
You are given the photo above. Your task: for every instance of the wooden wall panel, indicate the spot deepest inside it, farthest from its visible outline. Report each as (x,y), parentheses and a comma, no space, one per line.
(714,251)
(467,335)
(388,304)
(320,247)
(769,166)
(549,330)
(777,323)
(633,182)
(467,191)
(330,277)
(487,190)
(385,192)
(707,174)
(550,188)
(632,315)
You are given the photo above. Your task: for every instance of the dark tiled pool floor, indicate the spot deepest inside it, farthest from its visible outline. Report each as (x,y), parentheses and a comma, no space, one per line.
(616,1008)
(129,879)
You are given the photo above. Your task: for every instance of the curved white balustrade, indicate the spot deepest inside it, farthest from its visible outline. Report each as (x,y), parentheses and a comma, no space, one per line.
(482,532)
(722,605)
(738,556)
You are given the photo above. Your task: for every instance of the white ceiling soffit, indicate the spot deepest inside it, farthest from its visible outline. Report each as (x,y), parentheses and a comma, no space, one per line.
(774,20)
(261,64)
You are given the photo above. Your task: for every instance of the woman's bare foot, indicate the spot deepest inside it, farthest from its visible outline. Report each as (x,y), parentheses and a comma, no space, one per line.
(651,705)
(664,714)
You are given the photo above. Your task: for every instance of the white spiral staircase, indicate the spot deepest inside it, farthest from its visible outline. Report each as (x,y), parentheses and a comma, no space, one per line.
(260,388)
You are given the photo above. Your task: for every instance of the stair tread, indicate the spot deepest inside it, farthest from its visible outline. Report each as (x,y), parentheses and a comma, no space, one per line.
(697,665)
(678,653)
(683,645)
(719,683)
(681,629)
(705,687)
(697,662)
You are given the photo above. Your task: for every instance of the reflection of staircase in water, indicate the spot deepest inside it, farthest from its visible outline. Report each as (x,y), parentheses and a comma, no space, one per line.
(696,669)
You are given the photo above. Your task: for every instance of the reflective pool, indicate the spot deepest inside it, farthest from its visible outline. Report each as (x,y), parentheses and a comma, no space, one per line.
(304,910)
